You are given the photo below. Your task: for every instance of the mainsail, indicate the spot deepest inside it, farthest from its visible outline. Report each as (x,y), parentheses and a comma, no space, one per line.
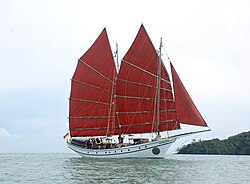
(137,86)
(92,109)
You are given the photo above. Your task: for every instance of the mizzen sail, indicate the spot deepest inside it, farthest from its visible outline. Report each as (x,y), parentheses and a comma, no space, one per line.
(92,110)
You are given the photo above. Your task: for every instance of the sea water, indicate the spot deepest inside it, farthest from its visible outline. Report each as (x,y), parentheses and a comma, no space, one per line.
(175,169)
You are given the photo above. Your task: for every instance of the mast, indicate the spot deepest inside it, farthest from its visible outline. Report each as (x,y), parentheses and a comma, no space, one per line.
(158,89)
(117,59)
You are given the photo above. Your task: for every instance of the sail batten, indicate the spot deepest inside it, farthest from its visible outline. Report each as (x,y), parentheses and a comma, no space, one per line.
(97,71)
(143,70)
(142,98)
(141,112)
(91,85)
(91,117)
(92,101)
(141,84)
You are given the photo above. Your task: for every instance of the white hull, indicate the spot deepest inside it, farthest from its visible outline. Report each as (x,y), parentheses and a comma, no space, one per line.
(153,149)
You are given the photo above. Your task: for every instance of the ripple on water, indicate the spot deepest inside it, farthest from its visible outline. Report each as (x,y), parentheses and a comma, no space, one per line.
(176,169)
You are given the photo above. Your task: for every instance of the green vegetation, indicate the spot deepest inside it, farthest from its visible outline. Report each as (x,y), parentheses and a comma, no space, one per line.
(234,145)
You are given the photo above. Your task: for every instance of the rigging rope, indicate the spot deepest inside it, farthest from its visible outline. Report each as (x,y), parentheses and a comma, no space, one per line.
(166,52)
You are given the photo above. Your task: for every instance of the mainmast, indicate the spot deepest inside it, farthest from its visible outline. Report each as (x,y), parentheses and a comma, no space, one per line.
(117,59)
(158,89)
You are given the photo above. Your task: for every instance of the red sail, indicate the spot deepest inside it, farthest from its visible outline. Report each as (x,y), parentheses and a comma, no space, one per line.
(136,93)
(91,110)
(185,107)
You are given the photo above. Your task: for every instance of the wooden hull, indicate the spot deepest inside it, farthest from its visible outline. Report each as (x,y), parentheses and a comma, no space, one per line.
(153,149)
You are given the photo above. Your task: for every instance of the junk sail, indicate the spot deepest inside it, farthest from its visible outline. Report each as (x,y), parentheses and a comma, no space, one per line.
(91,107)
(137,87)
(140,99)
(185,107)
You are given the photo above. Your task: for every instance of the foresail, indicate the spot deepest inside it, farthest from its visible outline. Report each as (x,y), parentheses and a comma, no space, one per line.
(185,107)
(137,92)
(92,109)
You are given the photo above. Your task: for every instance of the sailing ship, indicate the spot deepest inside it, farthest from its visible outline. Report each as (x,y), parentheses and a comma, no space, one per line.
(126,114)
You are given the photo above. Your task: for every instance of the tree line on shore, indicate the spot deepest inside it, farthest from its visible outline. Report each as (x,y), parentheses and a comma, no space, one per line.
(235,145)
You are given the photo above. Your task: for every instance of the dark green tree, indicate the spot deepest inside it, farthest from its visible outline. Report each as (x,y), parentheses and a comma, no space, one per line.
(234,145)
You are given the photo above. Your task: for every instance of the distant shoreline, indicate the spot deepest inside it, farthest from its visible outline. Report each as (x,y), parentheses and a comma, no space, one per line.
(235,145)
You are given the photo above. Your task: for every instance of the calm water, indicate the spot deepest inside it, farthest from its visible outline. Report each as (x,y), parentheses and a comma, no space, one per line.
(176,169)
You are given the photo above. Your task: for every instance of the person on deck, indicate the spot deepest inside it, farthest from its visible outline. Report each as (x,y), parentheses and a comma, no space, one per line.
(120,138)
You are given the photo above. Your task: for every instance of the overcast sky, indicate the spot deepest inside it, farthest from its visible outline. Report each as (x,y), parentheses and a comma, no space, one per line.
(40,42)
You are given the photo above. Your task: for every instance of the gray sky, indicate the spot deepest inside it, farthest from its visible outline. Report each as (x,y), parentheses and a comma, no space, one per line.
(40,42)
